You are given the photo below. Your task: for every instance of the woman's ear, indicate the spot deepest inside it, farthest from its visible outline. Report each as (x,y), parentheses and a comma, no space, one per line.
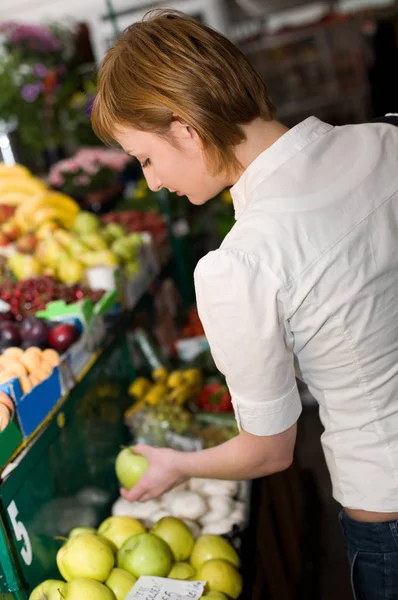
(184,133)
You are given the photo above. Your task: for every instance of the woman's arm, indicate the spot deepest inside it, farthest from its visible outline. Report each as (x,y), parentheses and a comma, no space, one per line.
(246,456)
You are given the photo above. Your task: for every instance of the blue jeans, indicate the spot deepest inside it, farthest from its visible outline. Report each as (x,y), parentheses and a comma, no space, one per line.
(373,555)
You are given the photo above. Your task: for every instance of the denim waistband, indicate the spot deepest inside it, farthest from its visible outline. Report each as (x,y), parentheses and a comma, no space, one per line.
(370,537)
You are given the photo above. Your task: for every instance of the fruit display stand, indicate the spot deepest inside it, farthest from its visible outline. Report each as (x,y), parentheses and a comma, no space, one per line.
(65,474)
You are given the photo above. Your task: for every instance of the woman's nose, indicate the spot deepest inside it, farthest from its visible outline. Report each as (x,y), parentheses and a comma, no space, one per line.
(152,180)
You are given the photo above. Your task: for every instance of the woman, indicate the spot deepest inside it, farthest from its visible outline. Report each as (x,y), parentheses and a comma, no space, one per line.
(305,284)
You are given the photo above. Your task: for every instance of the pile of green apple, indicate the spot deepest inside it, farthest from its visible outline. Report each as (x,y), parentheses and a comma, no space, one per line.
(104,564)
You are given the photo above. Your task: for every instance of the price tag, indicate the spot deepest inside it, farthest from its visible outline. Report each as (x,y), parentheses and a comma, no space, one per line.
(159,588)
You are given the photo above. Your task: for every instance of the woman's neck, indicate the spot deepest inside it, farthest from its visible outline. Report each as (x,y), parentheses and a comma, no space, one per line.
(260,135)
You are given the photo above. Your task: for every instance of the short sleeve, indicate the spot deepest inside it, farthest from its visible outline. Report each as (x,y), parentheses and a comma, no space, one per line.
(239,304)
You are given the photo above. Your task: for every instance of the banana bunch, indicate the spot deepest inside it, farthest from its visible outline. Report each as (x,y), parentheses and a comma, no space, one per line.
(17,185)
(177,387)
(47,207)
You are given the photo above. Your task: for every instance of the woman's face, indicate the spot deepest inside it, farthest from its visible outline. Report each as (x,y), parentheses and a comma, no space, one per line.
(179,167)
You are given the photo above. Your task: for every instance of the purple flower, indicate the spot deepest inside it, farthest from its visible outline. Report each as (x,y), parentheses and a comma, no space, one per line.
(40,70)
(31,91)
(37,37)
(89,105)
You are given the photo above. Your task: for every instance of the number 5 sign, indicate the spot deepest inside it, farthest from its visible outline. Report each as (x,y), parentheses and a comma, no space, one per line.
(20,533)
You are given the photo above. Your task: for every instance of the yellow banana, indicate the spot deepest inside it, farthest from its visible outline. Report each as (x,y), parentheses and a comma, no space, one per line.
(63,201)
(27,210)
(30,186)
(49,213)
(14,171)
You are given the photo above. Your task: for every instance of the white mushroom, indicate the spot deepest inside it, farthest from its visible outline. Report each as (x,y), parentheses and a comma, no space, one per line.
(160,514)
(219,487)
(220,507)
(186,505)
(218,527)
(138,510)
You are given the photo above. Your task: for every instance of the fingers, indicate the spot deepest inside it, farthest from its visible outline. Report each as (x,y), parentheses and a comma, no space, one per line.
(144,450)
(133,495)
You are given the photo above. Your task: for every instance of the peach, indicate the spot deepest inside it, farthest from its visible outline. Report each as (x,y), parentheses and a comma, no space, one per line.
(26,384)
(51,357)
(5,417)
(14,366)
(6,400)
(12,352)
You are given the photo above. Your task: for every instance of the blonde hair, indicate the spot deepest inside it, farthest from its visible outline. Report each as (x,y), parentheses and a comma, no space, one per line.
(169,67)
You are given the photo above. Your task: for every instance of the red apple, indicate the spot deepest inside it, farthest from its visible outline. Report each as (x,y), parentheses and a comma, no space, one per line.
(62,336)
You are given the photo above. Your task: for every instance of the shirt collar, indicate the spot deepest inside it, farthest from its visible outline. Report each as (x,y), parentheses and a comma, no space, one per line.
(273,157)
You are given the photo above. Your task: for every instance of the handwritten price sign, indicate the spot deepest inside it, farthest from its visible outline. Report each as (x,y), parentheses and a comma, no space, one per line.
(158,588)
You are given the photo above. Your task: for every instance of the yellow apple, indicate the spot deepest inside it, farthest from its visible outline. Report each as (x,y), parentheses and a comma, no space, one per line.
(177,535)
(220,576)
(79,530)
(145,554)
(118,529)
(208,547)
(85,555)
(181,570)
(120,582)
(214,596)
(130,467)
(48,590)
(87,589)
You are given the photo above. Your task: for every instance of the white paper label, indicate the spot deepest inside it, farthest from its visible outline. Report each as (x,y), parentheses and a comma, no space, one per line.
(159,588)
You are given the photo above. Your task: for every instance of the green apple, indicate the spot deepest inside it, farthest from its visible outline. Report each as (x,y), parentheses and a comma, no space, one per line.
(145,554)
(130,467)
(48,590)
(177,535)
(215,596)
(181,570)
(87,589)
(120,582)
(86,223)
(208,547)
(119,529)
(85,555)
(221,576)
(79,530)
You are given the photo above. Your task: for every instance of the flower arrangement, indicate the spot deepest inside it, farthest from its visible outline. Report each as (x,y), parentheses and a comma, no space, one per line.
(36,80)
(31,70)
(90,170)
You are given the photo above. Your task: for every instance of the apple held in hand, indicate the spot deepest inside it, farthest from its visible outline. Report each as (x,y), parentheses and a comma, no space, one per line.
(87,589)
(119,529)
(130,467)
(177,535)
(145,554)
(181,570)
(85,555)
(48,590)
(120,582)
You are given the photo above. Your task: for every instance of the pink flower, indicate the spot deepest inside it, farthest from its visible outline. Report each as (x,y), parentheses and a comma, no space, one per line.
(56,179)
(90,168)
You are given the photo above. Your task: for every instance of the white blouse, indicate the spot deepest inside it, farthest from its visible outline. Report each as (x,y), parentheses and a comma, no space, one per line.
(306,285)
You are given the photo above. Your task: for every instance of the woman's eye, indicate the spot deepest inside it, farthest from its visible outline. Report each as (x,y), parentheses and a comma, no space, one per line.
(146,163)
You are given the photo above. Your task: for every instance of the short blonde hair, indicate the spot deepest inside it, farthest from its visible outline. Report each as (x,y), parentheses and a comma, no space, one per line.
(169,67)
